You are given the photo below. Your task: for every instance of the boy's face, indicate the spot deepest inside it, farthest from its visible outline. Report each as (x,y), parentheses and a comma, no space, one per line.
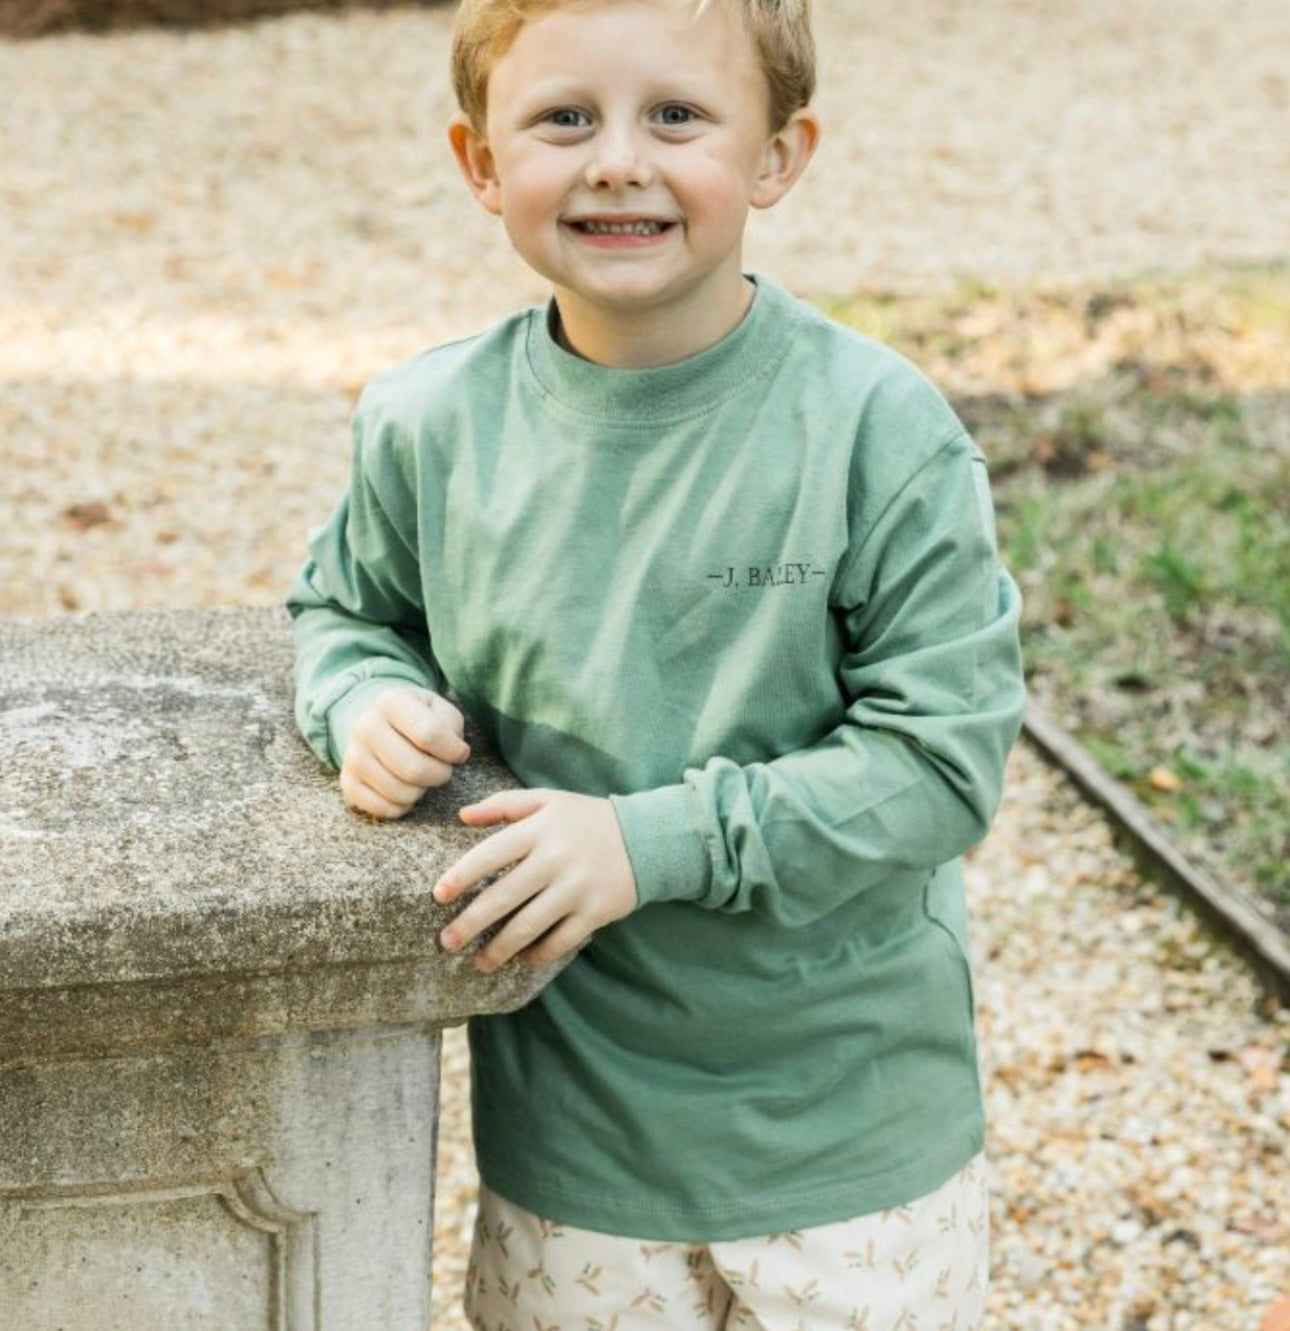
(625,143)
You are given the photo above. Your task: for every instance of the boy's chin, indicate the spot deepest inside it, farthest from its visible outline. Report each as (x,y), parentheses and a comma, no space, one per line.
(634,294)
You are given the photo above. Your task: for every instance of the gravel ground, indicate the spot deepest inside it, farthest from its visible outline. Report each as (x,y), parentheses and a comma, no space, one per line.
(211,240)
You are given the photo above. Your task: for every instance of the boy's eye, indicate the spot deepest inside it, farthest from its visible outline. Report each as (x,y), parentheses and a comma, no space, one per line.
(674,114)
(568,117)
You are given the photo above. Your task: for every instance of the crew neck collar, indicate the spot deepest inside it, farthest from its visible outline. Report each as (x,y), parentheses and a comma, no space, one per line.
(690,386)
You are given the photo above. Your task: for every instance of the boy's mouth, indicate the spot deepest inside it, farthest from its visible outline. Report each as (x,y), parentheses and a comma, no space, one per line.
(635,226)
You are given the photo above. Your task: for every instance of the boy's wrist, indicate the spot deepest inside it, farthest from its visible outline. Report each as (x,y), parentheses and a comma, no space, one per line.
(668,854)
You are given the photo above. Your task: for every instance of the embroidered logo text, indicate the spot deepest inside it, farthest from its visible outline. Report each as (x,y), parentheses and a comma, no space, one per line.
(765,575)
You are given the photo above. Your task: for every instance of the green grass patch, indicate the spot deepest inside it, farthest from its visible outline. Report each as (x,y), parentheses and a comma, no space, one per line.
(1139,440)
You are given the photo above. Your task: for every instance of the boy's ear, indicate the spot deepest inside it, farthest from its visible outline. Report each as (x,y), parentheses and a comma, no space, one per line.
(788,151)
(475,158)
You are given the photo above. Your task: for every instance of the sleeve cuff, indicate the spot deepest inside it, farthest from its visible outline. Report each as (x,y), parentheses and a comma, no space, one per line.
(664,844)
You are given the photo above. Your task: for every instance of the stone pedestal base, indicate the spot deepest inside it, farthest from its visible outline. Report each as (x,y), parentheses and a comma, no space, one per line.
(279,1186)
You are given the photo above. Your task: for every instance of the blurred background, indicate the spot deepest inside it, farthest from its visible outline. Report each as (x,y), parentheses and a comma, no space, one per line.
(1074,214)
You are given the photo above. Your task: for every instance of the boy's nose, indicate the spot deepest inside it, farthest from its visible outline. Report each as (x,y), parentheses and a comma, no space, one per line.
(618,160)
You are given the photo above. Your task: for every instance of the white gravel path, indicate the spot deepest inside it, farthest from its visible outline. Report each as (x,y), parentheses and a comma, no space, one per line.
(209,241)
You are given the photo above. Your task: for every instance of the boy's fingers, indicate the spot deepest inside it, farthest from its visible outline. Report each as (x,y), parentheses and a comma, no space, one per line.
(447,742)
(450,713)
(503,806)
(537,922)
(567,936)
(498,900)
(368,768)
(429,722)
(489,857)
(407,763)
(359,795)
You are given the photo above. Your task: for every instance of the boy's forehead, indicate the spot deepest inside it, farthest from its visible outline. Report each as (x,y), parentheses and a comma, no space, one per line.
(565,54)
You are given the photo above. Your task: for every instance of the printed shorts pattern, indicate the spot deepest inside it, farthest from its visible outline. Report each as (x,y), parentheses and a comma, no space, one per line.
(919,1267)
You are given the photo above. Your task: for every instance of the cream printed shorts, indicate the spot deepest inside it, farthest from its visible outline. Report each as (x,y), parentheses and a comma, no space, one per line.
(920,1267)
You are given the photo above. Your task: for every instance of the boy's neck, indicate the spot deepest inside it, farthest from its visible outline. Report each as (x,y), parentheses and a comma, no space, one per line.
(646,339)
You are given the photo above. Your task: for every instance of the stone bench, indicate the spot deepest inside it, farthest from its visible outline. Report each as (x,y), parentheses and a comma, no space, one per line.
(220,993)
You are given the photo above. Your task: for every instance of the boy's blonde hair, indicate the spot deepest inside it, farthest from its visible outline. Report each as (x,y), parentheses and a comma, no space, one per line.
(780,29)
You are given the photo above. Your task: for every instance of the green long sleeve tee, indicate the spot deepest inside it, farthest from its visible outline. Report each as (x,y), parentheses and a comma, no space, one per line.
(754,598)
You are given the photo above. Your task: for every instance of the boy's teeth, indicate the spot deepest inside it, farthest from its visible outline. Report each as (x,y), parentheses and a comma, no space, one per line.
(623,228)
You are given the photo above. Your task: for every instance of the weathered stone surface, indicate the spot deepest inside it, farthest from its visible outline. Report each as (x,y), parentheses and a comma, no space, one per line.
(175,863)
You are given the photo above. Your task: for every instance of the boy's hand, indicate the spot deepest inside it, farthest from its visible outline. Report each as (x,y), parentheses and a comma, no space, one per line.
(408,740)
(567,874)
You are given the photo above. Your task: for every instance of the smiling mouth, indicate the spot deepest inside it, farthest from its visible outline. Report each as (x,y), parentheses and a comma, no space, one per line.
(592,226)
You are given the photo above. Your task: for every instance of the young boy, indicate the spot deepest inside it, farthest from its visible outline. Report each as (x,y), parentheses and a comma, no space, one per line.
(719,579)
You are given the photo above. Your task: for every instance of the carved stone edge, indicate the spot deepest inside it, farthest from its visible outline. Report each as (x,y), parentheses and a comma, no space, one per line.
(247,1196)
(37,1026)
(295,1245)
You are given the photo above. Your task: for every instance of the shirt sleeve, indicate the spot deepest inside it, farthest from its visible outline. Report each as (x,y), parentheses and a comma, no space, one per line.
(933,690)
(357,609)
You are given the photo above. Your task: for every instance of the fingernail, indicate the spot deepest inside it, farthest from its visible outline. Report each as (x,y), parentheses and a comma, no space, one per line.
(450,940)
(484,966)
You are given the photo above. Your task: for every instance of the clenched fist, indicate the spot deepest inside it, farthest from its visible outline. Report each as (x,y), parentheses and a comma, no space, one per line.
(407,741)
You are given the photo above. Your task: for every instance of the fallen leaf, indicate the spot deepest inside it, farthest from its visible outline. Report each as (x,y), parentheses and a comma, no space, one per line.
(1263,1065)
(285,280)
(150,568)
(135,221)
(1267,1231)
(1162,779)
(84,516)
(1088,1059)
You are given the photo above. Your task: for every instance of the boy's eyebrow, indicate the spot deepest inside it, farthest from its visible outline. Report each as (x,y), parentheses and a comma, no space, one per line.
(558,88)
